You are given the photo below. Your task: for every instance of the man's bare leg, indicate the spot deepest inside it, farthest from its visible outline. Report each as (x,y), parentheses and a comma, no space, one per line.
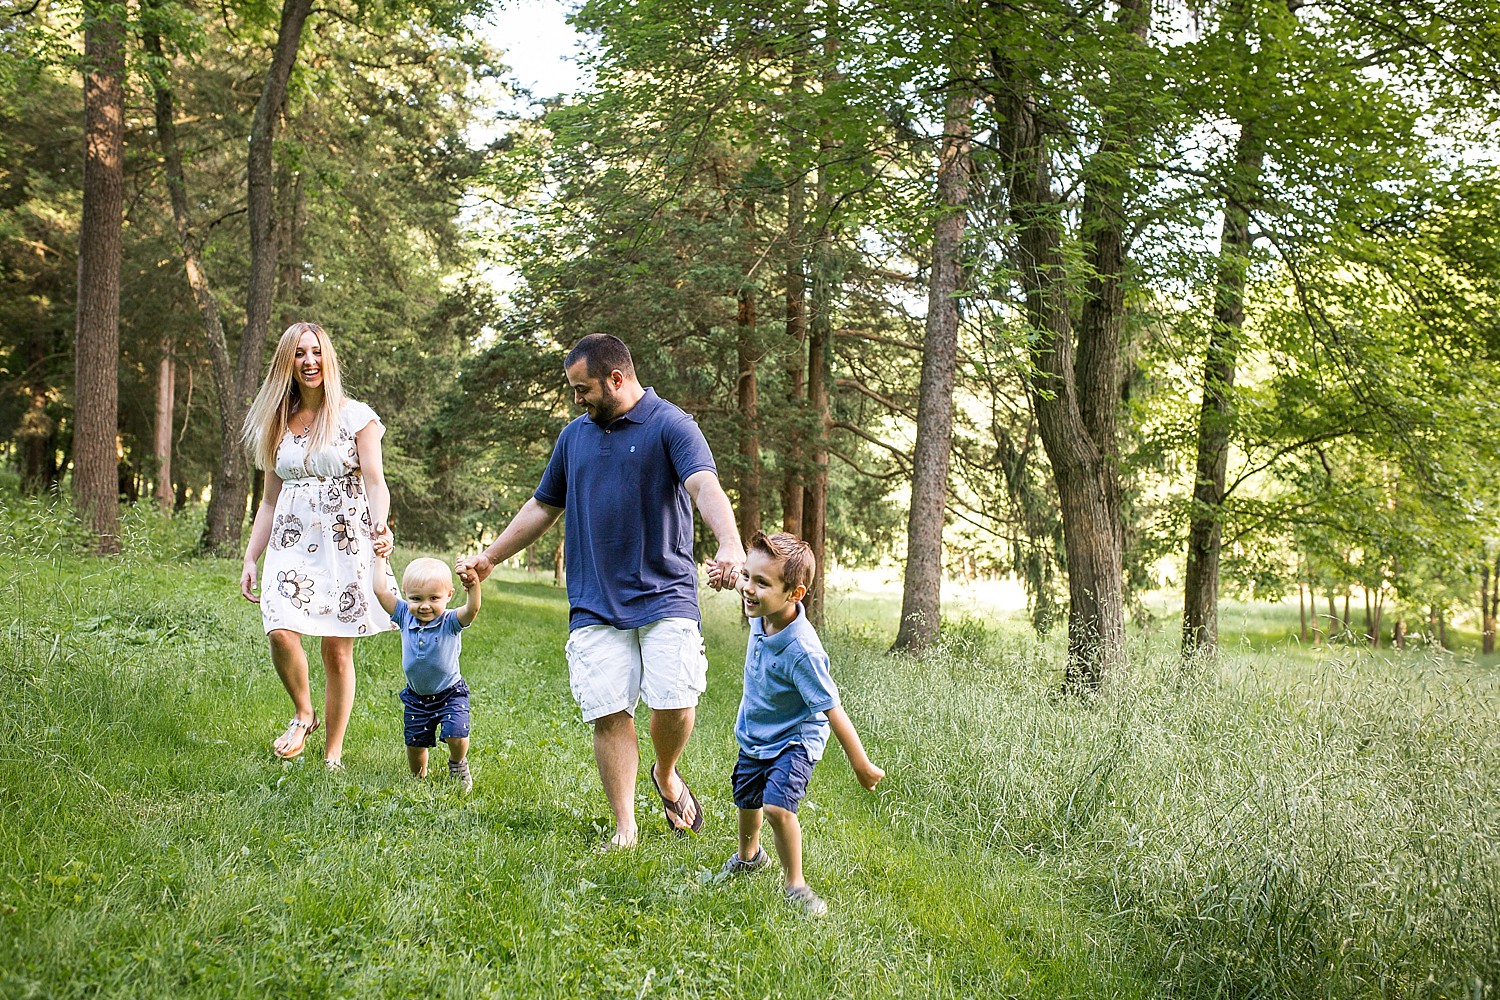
(619,759)
(670,729)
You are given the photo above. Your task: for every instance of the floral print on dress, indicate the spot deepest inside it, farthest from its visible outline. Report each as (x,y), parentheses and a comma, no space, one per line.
(295,587)
(352,603)
(343,534)
(333,498)
(286,531)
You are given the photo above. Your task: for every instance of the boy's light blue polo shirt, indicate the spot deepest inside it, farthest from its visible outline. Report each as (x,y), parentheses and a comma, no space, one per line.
(788,688)
(628,533)
(429,653)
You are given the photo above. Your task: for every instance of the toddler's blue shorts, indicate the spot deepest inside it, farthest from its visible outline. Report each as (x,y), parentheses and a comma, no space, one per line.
(449,708)
(776,781)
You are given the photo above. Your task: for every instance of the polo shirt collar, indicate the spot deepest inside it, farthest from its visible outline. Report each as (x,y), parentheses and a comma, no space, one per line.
(643,408)
(781,640)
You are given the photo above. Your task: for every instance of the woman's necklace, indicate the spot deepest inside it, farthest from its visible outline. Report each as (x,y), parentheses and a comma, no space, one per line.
(301,422)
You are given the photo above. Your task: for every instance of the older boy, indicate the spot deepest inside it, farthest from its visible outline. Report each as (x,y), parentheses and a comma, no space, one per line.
(789,705)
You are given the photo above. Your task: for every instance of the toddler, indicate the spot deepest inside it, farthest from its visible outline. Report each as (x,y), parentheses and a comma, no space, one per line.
(431,638)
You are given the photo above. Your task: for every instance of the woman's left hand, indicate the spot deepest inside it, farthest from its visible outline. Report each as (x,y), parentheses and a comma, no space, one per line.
(383,541)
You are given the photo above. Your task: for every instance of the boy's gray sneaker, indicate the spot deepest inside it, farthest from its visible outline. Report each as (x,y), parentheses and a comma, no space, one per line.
(804,899)
(737,865)
(459,769)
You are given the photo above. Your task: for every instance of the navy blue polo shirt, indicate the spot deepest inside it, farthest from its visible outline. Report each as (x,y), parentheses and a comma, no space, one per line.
(628,535)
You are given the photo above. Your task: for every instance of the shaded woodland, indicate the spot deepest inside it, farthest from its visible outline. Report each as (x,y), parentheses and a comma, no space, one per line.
(1107,297)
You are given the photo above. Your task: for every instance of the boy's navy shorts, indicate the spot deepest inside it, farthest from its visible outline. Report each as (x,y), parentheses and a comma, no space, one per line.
(424,712)
(777,781)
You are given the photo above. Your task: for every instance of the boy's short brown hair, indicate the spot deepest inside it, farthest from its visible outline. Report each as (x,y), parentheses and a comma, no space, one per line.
(792,554)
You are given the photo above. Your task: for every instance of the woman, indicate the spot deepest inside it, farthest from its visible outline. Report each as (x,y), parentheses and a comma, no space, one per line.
(320,523)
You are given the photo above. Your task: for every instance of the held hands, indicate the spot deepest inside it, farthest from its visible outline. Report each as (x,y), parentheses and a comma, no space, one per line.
(472,570)
(724,568)
(247,582)
(382,542)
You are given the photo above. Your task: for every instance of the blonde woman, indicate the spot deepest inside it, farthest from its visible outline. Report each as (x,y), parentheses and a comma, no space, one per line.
(320,524)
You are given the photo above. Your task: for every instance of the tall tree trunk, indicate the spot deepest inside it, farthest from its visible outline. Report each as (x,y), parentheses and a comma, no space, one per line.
(96,480)
(1200,604)
(748,351)
(1301,612)
(1075,390)
(166,386)
(819,365)
(290,223)
(1486,609)
(1494,612)
(921,596)
(793,452)
(226,508)
(825,280)
(190,246)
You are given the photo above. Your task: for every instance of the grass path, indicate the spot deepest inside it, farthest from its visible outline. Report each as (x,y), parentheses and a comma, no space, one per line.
(151,846)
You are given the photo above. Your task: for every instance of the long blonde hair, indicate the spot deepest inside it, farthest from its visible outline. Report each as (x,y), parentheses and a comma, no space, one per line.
(280,394)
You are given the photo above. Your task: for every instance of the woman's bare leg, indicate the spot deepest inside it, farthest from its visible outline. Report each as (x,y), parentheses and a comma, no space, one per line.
(338,691)
(291,667)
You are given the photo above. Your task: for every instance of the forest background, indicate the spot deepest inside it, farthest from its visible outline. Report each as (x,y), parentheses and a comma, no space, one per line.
(1106,298)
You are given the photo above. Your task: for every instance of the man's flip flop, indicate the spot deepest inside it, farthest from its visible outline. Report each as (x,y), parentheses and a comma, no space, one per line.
(676,811)
(308,729)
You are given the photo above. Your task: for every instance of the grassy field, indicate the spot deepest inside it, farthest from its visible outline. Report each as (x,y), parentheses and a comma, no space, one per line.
(1286,824)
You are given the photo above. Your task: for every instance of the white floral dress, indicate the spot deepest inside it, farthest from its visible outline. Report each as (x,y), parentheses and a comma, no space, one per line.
(320,567)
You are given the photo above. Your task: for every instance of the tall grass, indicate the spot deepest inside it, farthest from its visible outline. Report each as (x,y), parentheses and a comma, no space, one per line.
(1279,824)
(1275,825)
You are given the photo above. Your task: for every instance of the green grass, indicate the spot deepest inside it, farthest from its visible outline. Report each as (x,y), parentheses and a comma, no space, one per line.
(1283,825)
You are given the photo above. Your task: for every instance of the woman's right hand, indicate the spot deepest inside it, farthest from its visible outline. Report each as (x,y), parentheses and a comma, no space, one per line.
(247,582)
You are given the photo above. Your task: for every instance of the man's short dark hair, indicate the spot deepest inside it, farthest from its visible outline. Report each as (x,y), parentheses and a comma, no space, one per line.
(798,567)
(602,354)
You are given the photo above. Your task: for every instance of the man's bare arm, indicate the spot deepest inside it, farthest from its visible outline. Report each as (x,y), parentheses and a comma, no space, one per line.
(529,524)
(718,513)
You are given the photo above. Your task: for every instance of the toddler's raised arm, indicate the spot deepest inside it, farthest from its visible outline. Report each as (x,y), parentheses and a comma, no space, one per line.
(383,592)
(470,610)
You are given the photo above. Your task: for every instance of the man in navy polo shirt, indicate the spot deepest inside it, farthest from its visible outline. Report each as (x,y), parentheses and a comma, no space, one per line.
(628,471)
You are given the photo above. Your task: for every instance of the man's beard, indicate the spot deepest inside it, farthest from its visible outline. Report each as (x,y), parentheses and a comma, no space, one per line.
(608,408)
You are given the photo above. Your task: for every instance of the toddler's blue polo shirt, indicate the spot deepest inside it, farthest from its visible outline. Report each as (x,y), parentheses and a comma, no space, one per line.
(429,653)
(628,533)
(788,690)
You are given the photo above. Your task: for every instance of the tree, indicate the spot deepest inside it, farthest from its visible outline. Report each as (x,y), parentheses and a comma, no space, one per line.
(921,603)
(226,508)
(96,345)
(1075,388)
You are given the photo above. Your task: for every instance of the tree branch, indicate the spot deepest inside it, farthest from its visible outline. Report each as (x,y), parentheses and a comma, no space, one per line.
(864,390)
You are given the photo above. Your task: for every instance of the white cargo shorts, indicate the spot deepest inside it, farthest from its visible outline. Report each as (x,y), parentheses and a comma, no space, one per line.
(611,669)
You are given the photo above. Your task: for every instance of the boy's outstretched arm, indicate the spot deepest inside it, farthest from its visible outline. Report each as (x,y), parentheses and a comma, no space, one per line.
(470,610)
(383,593)
(868,774)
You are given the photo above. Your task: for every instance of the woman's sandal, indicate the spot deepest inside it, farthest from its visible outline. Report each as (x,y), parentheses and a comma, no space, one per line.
(308,728)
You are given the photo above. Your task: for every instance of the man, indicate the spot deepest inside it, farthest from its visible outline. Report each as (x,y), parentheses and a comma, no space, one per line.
(628,472)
